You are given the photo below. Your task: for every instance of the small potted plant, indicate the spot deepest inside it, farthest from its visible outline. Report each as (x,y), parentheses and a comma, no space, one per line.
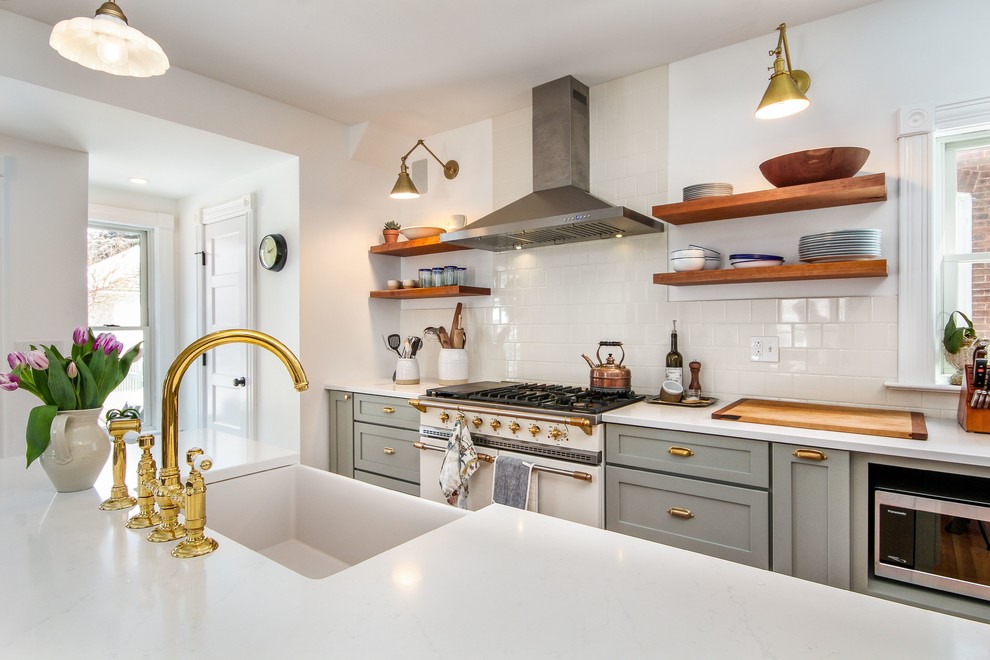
(957,343)
(391,231)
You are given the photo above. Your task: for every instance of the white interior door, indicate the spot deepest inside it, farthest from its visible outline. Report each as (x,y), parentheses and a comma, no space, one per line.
(228,387)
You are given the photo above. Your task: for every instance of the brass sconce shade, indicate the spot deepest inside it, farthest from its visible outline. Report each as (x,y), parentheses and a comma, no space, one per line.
(785,93)
(107,43)
(404,187)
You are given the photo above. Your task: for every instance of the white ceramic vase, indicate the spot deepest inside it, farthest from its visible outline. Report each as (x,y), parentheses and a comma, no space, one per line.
(78,450)
(407,371)
(452,367)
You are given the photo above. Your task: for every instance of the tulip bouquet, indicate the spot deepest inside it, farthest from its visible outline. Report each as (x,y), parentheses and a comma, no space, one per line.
(83,380)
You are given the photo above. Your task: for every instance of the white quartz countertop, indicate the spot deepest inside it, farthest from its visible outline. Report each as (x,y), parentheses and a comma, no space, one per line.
(496,583)
(384,387)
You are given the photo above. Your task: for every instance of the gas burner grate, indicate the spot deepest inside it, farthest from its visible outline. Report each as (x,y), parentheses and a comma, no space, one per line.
(564,398)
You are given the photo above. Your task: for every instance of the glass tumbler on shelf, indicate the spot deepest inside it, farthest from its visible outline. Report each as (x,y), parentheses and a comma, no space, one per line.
(438,276)
(450,275)
(425,278)
(461,276)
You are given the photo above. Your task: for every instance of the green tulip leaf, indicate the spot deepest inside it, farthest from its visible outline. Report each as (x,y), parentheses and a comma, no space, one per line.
(88,392)
(39,430)
(58,381)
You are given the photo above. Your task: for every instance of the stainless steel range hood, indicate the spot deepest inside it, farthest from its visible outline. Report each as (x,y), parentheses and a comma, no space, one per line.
(560,210)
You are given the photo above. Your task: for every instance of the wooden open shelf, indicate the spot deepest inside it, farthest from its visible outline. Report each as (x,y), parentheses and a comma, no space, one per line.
(415,247)
(433,292)
(824,271)
(824,194)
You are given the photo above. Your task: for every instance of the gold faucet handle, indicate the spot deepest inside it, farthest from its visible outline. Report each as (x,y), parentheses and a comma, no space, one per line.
(146,442)
(118,427)
(197,460)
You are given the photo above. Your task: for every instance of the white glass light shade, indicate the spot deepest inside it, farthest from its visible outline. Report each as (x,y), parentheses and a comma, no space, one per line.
(106,43)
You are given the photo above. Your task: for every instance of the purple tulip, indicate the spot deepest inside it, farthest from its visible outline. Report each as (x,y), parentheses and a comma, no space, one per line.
(37,360)
(16,359)
(80,336)
(72,370)
(9,382)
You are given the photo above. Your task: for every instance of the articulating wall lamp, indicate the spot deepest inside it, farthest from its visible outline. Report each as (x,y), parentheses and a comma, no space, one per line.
(404,188)
(107,43)
(785,94)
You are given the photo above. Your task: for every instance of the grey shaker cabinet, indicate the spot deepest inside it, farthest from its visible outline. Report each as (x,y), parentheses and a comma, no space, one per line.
(811,514)
(342,433)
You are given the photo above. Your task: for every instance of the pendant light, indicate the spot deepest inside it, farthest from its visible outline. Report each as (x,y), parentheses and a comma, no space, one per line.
(785,93)
(404,187)
(107,43)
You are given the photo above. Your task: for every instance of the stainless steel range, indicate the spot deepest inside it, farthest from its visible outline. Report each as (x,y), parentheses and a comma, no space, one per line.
(556,427)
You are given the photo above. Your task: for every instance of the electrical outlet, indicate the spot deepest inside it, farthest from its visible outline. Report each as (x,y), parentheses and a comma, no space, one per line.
(764,349)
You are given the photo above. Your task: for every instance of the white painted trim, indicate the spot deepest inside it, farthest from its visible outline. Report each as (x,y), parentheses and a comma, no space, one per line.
(918,332)
(241,206)
(4,440)
(161,271)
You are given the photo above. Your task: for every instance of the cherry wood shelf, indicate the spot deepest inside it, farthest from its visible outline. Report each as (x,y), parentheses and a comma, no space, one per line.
(433,292)
(821,195)
(415,247)
(823,271)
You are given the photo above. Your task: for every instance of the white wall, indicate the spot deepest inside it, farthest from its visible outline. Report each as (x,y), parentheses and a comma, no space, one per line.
(44,230)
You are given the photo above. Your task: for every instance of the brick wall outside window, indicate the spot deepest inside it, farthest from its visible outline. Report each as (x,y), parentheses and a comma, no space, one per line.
(973,176)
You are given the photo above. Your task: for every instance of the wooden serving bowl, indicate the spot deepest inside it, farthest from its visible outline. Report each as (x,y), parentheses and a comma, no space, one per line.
(814,165)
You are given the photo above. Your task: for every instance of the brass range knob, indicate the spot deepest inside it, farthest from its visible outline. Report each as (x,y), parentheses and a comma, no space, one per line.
(514,427)
(444,417)
(495,424)
(534,430)
(461,417)
(555,433)
(477,422)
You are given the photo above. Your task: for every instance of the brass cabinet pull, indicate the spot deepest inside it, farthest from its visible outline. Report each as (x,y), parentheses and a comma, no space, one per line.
(347,397)
(388,410)
(678,512)
(388,451)
(810,454)
(680,451)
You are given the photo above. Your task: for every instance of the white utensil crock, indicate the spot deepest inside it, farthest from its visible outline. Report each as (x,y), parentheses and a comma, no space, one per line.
(452,368)
(407,371)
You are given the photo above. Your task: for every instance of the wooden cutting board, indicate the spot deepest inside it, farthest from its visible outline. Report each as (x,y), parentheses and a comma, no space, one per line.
(890,423)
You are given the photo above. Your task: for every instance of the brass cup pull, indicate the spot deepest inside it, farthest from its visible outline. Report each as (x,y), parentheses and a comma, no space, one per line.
(388,451)
(679,512)
(388,410)
(810,454)
(680,451)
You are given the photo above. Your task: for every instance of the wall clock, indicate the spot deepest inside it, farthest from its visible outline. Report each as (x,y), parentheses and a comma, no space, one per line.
(272,251)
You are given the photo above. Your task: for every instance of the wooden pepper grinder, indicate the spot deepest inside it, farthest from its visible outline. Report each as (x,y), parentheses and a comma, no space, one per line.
(693,392)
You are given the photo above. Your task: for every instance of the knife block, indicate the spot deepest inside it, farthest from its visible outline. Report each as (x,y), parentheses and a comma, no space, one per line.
(974,420)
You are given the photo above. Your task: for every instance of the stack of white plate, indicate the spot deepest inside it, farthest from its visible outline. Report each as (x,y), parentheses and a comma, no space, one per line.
(843,245)
(707,190)
(755,260)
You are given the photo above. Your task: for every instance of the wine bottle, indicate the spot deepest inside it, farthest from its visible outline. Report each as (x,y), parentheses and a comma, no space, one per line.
(674,362)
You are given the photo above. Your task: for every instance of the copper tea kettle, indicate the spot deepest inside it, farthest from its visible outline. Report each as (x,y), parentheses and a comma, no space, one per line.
(608,377)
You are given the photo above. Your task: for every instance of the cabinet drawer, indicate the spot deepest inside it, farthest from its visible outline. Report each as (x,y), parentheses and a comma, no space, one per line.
(386,482)
(386,451)
(389,410)
(714,519)
(733,460)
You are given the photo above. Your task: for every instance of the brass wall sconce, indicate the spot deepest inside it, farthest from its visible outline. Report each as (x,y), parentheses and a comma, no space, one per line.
(404,187)
(785,93)
(107,43)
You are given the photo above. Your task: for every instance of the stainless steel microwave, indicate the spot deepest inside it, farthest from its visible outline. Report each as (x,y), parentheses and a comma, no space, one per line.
(934,533)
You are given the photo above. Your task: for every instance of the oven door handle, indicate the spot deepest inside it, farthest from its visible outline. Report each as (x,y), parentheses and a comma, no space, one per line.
(573,474)
(584,424)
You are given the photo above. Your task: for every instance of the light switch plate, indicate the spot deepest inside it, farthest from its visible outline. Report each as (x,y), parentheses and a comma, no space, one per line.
(764,349)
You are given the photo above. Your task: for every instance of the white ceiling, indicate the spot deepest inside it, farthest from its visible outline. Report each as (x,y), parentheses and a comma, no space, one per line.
(419,67)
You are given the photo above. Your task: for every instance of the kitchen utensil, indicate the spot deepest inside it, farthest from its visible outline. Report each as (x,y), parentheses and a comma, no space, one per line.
(415,345)
(608,376)
(431,333)
(868,421)
(455,322)
(444,337)
(813,165)
(693,392)
(406,349)
(393,341)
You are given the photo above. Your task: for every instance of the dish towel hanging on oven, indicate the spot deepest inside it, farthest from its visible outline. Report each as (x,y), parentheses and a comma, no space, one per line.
(460,461)
(514,483)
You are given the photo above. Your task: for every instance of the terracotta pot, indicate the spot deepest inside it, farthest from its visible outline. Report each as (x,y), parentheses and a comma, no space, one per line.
(391,235)
(78,450)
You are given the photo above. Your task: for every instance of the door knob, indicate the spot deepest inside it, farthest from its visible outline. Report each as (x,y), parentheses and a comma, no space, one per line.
(240,382)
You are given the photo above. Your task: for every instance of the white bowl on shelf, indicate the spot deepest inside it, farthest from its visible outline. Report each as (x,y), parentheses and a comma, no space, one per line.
(409,284)
(687,263)
(709,253)
(393,284)
(713,263)
(421,231)
(757,263)
(688,253)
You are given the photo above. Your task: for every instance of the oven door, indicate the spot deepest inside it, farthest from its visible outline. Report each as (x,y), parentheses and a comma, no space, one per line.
(580,500)
(430,460)
(936,543)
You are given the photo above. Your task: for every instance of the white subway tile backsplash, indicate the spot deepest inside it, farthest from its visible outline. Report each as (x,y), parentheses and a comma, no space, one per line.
(884,309)
(792,310)
(823,310)
(763,311)
(738,311)
(855,310)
